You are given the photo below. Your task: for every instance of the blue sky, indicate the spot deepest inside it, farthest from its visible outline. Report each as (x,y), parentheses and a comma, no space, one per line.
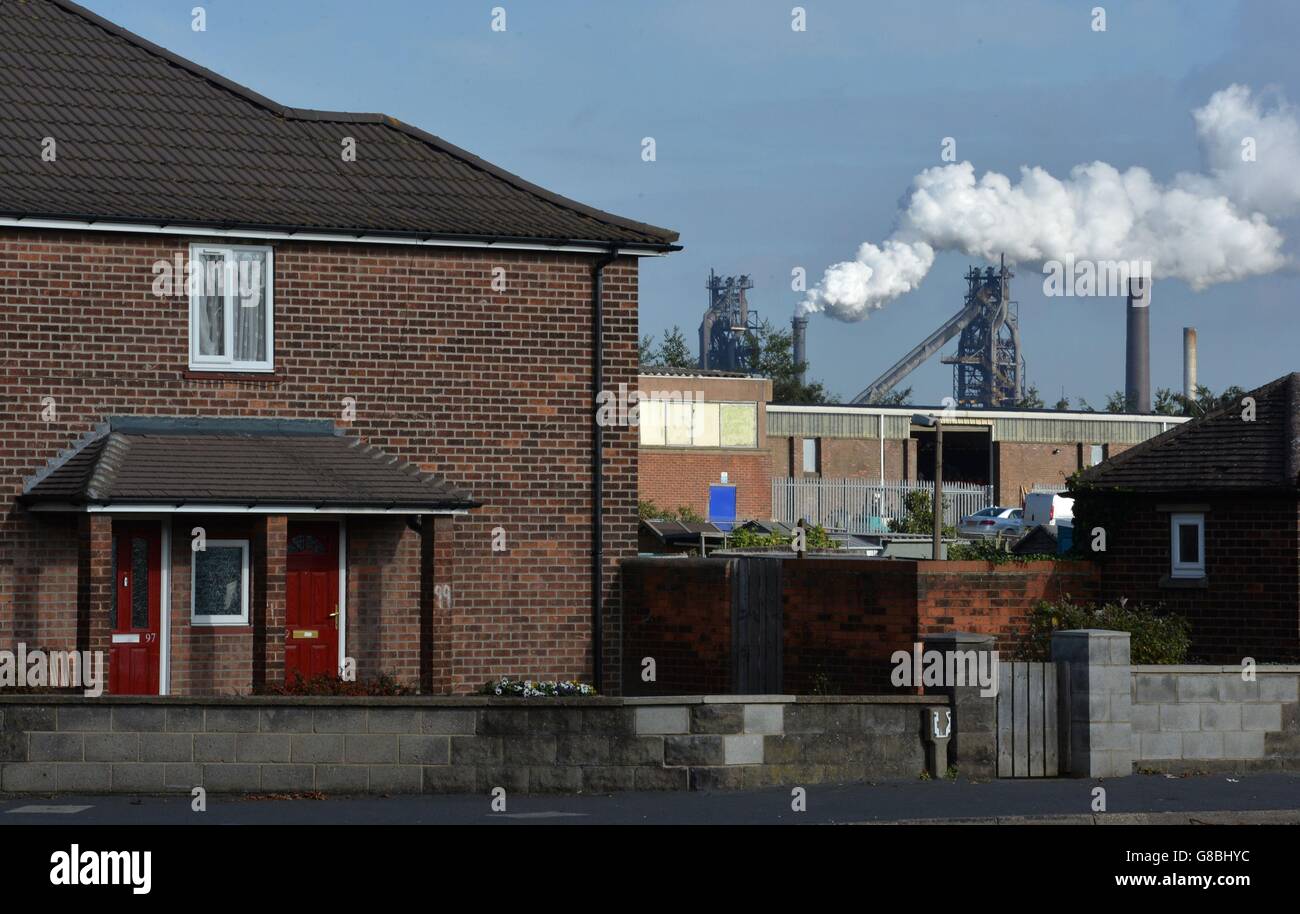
(778,149)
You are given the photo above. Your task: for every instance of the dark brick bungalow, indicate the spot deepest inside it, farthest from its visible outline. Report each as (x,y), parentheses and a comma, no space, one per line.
(1205,519)
(296,391)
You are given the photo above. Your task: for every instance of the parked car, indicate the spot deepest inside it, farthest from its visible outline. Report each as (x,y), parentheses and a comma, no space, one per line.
(993,521)
(1048,509)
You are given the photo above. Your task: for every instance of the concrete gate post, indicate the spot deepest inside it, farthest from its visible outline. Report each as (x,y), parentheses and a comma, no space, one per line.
(1099,727)
(973,746)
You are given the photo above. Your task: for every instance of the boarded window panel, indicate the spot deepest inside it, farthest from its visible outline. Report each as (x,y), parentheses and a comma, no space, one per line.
(651,413)
(739,425)
(705,425)
(680,417)
(218,581)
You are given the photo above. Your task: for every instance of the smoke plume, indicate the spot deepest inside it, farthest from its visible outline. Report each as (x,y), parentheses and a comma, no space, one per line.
(1203,228)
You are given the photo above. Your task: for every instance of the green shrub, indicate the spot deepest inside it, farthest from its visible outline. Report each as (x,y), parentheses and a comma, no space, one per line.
(815,537)
(995,550)
(918,516)
(1156,637)
(648,510)
(326,684)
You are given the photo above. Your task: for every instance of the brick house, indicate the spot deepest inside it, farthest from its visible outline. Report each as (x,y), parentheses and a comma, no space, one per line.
(1205,519)
(284,388)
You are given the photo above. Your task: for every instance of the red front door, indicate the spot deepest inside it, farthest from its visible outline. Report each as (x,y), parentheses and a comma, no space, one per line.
(311,638)
(137,611)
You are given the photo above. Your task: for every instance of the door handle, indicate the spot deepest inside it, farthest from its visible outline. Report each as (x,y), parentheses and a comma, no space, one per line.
(333,614)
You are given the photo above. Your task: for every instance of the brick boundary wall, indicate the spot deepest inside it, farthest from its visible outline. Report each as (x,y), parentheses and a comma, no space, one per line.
(843,618)
(1207,718)
(60,744)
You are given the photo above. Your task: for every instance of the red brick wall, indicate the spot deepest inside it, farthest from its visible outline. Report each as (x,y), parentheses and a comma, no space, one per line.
(846,458)
(678,612)
(843,618)
(490,388)
(677,477)
(383,591)
(994,599)
(1251,604)
(842,621)
(1020,465)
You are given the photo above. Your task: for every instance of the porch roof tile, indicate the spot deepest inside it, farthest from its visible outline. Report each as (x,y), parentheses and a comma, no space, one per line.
(130,462)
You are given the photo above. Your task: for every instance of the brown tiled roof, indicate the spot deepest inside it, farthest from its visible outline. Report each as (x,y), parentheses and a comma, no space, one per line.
(1219,452)
(146,136)
(197,462)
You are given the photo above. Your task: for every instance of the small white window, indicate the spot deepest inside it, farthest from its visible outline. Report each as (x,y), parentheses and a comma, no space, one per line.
(1187,545)
(810,455)
(232,322)
(1096,454)
(219,584)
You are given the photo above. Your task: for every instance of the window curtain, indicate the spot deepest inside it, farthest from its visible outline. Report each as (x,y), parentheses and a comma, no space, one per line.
(212,323)
(250,307)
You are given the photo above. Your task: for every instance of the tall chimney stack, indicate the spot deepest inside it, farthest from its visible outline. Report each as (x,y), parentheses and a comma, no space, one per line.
(800,324)
(1137,361)
(1189,363)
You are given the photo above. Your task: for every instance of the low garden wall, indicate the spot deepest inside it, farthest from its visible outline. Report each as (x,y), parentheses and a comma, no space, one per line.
(1208,718)
(279,745)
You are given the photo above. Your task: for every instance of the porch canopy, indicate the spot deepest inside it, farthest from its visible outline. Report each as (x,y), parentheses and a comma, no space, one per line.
(228,466)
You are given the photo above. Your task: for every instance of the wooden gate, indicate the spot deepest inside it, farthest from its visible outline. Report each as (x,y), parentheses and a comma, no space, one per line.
(757,663)
(1032,702)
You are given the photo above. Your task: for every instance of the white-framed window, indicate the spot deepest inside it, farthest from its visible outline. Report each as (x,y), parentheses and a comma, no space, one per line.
(1187,545)
(232,320)
(219,584)
(810,455)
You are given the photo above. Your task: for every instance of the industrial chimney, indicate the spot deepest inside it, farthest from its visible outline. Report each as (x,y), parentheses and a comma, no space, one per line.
(1137,361)
(800,325)
(1189,363)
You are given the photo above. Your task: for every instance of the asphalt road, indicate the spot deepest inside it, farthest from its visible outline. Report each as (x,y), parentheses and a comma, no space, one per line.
(859,803)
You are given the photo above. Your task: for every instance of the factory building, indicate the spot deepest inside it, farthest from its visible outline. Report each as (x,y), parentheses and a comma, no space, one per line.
(1012,450)
(702,430)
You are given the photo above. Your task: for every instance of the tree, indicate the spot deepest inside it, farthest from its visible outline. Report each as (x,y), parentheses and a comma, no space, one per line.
(1116,402)
(1030,399)
(772,356)
(1063,403)
(646,354)
(894,397)
(1168,403)
(674,351)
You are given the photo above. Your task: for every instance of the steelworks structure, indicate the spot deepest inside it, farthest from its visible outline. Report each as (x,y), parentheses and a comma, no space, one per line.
(728,330)
(988,369)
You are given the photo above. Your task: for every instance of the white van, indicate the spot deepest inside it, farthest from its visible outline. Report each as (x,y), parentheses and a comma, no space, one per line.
(1048,509)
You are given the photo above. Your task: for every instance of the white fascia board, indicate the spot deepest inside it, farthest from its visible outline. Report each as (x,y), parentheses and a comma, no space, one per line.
(266,235)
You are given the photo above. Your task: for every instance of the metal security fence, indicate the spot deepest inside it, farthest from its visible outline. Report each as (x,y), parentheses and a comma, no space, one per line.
(859,506)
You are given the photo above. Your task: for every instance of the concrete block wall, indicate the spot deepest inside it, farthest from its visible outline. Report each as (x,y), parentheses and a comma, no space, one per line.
(56,744)
(1208,718)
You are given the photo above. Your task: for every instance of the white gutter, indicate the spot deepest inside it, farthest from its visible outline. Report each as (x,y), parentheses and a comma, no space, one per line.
(232,509)
(268,235)
(976,413)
